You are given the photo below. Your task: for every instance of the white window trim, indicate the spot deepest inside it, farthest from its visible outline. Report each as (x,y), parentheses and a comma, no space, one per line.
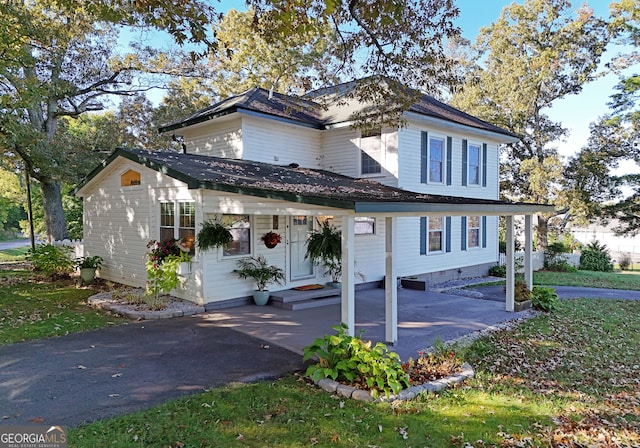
(176,216)
(469,228)
(252,239)
(442,237)
(382,150)
(444,158)
(479,146)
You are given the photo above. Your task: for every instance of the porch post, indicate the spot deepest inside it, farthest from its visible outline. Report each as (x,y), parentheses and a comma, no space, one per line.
(390,282)
(510,265)
(528,251)
(348,277)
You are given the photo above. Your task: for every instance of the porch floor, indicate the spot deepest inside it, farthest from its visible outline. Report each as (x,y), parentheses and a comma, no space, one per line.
(423,317)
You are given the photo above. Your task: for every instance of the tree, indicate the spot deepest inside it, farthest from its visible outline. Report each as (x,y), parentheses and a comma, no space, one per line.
(534,54)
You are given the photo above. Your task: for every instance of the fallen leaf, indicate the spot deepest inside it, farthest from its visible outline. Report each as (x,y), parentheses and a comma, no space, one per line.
(36,420)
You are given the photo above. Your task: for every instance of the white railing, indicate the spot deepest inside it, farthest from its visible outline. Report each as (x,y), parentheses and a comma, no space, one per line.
(537,259)
(76,245)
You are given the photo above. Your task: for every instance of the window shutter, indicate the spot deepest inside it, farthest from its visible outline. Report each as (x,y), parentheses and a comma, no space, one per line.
(447,230)
(424,158)
(484,231)
(449,157)
(463,227)
(484,164)
(423,235)
(464,163)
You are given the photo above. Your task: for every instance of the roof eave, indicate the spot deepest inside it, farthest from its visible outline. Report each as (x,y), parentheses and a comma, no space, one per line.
(506,137)
(464,209)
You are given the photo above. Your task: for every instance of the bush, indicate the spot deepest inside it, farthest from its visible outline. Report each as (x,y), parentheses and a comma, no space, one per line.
(52,261)
(544,298)
(595,257)
(522,293)
(555,260)
(351,360)
(625,261)
(498,271)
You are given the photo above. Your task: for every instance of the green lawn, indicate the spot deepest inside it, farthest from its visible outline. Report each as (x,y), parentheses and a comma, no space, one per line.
(612,280)
(9,255)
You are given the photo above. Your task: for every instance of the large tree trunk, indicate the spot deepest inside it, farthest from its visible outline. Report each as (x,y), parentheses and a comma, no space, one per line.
(541,232)
(53,212)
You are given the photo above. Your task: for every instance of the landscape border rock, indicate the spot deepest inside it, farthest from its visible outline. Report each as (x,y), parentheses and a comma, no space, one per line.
(410,393)
(174,307)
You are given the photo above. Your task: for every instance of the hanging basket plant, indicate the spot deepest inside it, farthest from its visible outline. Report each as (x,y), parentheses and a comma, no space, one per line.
(271,239)
(213,234)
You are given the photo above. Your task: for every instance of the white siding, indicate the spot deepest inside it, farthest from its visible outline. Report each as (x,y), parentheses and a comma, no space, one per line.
(219,138)
(410,165)
(271,141)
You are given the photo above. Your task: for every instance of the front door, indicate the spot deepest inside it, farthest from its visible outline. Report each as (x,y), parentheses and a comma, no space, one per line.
(299,229)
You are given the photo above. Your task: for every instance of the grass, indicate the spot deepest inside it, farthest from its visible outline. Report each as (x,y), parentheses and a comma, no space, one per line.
(611,280)
(12,255)
(568,377)
(34,308)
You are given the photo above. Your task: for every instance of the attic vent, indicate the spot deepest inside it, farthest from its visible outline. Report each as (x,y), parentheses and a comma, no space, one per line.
(130,179)
(293,165)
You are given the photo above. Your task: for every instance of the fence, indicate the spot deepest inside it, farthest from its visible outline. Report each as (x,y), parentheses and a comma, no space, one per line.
(76,245)
(537,259)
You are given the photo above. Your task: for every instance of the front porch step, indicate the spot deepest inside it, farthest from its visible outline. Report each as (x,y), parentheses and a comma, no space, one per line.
(292,299)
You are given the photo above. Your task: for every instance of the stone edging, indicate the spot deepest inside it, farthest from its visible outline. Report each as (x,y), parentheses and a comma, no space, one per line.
(332,386)
(175,308)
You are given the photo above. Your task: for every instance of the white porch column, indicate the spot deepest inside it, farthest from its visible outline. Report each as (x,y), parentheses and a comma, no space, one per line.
(348,275)
(510,265)
(390,282)
(528,251)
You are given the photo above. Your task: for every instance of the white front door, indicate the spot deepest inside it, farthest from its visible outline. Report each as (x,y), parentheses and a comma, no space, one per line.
(299,228)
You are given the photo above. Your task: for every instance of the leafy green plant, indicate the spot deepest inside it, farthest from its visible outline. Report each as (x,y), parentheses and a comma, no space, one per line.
(162,264)
(544,298)
(595,257)
(625,261)
(324,247)
(89,262)
(53,261)
(258,269)
(213,234)
(498,270)
(354,361)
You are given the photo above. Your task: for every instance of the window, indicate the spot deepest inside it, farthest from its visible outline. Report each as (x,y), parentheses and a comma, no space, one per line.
(434,237)
(473,232)
(240,227)
(186,224)
(130,178)
(474,164)
(371,152)
(436,160)
(364,225)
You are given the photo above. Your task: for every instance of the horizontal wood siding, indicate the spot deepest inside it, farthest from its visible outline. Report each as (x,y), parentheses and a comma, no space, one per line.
(410,164)
(412,263)
(279,143)
(217,139)
(340,151)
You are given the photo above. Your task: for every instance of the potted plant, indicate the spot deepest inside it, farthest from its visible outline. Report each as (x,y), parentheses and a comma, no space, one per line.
(271,239)
(88,267)
(259,270)
(213,234)
(522,296)
(324,247)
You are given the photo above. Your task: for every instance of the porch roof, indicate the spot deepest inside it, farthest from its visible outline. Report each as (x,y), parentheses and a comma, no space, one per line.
(308,186)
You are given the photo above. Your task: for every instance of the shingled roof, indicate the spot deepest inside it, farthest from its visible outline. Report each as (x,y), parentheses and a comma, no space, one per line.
(302,185)
(323,108)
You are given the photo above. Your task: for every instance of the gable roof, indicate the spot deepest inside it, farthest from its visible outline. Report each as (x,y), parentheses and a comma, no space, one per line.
(322,108)
(303,185)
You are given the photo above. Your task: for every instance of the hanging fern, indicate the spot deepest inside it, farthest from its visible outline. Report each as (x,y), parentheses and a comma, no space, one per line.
(324,247)
(213,234)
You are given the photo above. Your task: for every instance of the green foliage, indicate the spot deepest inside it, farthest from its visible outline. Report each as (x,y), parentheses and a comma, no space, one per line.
(94,262)
(53,261)
(350,359)
(163,259)
(544,298)
(625,261)
(259,270)
(499,270)
(324,246)
(521,293)
(213,234)
(554,258)
(595,257)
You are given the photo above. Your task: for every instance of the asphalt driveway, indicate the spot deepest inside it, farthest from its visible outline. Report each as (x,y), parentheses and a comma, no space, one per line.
(76,379)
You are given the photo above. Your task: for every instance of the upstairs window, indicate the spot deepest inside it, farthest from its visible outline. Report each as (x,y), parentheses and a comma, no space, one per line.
(130,178)
(436,160)
(371,152)
(474,164)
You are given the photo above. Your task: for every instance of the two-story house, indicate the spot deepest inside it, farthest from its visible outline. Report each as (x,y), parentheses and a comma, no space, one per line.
(417,200)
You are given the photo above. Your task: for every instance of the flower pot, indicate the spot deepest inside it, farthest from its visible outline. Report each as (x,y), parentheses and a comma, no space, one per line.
(521,306)
(261,297)
(184,268)
(337,285)
(87,275)
(270,244)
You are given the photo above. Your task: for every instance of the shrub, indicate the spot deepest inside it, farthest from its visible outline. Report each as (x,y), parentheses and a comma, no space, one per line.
(595,257)
(53,261)
(544,298)
(522,293)
(555,260)
(351,360)
(498,271)
(625,261)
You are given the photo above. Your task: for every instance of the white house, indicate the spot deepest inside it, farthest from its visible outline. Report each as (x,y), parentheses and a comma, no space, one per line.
(417,200)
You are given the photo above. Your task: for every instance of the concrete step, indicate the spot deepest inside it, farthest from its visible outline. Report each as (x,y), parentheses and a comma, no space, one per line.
(306,303)
(293,295)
